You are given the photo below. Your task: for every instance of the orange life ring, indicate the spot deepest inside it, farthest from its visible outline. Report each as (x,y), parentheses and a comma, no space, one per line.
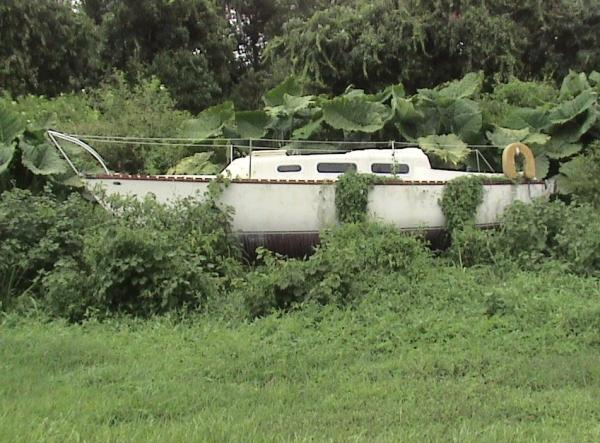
(508,161)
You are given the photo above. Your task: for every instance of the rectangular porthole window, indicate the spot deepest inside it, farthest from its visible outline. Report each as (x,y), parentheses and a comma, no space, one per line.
(336,168)
(389,168)
(289,168)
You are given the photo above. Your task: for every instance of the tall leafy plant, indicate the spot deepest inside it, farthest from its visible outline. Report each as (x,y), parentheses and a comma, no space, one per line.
(26,157)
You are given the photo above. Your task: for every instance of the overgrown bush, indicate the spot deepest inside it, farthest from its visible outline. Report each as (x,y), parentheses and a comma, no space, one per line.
(534,235)
(349,262)
(460,200)
(76,258)
(35,232)
(578,241)
(580,177)
(352,196)
(528,233)
(127,270)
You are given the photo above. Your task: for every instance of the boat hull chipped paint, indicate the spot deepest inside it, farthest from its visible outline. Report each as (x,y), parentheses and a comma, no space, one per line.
(287,215)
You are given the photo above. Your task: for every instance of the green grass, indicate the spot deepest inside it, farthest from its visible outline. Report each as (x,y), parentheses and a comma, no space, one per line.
(459,356)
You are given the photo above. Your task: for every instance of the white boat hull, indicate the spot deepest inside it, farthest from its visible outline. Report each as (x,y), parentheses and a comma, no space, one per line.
(268,211)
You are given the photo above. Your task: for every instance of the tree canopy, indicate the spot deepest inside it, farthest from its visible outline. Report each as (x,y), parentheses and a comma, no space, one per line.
(205,51)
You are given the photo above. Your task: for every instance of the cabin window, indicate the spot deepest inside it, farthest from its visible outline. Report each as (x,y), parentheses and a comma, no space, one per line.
(289,168)
(389,168)
(336,168)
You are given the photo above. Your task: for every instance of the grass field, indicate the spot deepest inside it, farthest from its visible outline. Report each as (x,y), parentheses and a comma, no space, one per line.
(461,356)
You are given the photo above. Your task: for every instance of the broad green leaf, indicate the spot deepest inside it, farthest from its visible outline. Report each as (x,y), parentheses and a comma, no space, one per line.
(354,93)
(397,90)
(6,154)
(570,176)
(355,114)
(466,87)
(11,125)
(195,165)
(293,104)
(568,110)
(275,97)
(307,130)
(576,128)
(252,124)
(594,78)
(448,148)
(537,138)
(502,137)
(542,165)
(573,85)
(74,181)
(405,109)
(42,159)
(209,122)
(535,118)
(392,91)
(466,119)
(558,148)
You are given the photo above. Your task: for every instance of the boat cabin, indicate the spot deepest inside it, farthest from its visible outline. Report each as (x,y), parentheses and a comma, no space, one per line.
(404,164)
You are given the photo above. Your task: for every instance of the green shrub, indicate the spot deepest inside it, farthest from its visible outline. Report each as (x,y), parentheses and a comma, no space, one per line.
(127,270)
(473,246)
(580,177)
(578,241)
(529,231)
(144,258)
(352,197)
(35,232)
(350,261)
(460,200)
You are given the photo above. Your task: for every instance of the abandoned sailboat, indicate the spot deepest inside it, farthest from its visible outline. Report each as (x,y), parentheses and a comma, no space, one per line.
(283,201)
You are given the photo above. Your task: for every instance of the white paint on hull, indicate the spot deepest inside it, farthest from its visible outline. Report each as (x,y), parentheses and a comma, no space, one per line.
(310,207)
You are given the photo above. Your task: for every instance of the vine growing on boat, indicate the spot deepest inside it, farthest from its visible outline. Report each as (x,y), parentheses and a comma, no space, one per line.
(460,200)
(352,196)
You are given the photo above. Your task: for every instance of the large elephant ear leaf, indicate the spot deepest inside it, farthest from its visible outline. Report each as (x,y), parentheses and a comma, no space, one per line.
(447,148)
(466,87)
(542,166)
(519,118)
(275,97)
(570,177)
(558,148)
(306,131)
(466,119)
(6,155)
(42,159)
(355,115)
(293,103)
(252,124)
(573,85)
(11,126)
(502,137)
(569,110)
(209,122)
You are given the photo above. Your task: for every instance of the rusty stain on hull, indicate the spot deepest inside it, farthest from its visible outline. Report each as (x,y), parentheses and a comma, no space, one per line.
(302,244)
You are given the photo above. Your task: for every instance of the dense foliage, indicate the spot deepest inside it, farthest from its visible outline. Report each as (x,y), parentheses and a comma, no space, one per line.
(143,258)
(424,42)
(74,259)
(206,50)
